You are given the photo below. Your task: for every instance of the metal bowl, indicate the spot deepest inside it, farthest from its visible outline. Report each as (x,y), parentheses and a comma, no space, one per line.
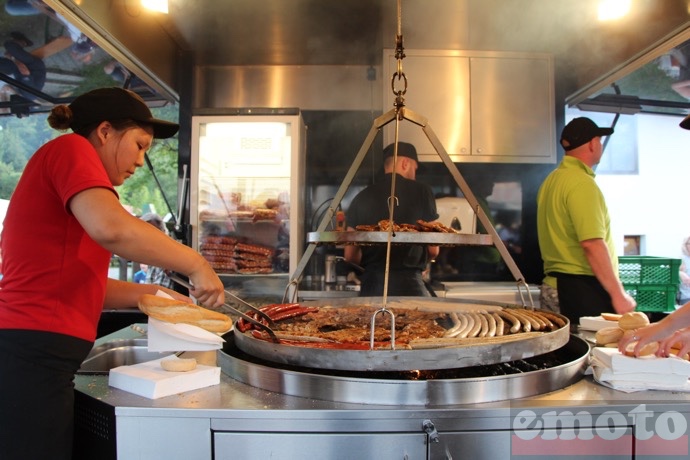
(121,352)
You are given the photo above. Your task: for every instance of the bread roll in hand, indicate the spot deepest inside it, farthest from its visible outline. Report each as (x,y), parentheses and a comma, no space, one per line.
(177,311)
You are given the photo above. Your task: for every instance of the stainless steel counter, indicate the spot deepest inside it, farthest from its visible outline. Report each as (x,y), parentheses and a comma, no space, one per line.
(231,411)
(232,399)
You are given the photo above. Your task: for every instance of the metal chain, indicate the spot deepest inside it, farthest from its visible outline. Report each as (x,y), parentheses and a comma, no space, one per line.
(399,74)
(392,199)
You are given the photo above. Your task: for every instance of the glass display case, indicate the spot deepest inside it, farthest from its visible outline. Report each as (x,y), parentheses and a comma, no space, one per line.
(247,186)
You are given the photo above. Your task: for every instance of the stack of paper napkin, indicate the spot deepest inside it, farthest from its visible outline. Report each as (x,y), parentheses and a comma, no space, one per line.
(594,323)
(613,369)
(152,381)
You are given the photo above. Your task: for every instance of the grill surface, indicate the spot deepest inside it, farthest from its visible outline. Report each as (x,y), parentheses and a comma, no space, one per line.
(468,385)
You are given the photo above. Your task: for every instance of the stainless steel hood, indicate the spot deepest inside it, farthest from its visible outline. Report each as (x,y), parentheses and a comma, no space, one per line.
(214,34)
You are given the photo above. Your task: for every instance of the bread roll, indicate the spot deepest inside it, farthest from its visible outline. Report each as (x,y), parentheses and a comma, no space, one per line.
(647,350)
(176,311)
(203,358)
(675,350)
(633,320)
(178,364)
(611,316)
(608,335)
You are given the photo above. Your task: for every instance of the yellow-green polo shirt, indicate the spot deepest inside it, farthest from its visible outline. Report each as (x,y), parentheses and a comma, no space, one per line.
(571,209)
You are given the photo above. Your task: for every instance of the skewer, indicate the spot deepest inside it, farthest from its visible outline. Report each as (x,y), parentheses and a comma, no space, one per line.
(382,310)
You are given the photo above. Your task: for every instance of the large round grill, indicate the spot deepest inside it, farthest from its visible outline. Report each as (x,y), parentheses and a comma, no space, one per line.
(431,376)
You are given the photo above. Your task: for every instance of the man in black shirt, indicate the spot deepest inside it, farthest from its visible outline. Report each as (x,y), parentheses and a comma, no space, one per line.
(413,201)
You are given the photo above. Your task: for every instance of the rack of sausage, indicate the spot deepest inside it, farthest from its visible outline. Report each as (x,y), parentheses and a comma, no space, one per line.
(426,335)
(228,255)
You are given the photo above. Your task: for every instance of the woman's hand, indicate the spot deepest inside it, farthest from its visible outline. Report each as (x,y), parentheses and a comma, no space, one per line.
(175,295)
(677,344)
(641,337)
(208,288)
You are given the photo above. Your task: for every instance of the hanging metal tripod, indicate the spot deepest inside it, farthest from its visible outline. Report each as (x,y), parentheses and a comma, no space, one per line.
(398,114)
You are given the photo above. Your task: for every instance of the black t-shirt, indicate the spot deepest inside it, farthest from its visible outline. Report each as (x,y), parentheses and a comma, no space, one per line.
(415,201)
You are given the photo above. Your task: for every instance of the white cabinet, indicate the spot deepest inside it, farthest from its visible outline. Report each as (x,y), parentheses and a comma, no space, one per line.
(483,106)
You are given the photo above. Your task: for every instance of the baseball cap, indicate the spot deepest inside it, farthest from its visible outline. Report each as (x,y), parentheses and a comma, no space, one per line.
(404,150)
(117,104)
(580,131)
(685,124)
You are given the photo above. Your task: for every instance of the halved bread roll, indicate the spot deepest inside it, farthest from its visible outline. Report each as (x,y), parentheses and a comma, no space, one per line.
(611,316)
(176,311)
(179,364)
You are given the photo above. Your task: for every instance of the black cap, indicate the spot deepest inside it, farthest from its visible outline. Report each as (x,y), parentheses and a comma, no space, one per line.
(580,131)
(110,104)
(685,124)
(404,150)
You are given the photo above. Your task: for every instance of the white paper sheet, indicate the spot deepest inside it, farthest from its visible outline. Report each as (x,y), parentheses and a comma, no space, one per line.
(594,323)
(164,336)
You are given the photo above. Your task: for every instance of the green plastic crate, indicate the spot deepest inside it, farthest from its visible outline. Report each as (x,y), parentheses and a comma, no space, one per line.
(653,297)
(648,270)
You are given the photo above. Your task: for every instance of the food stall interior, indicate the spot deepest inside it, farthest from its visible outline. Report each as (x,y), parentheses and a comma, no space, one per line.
(329,61)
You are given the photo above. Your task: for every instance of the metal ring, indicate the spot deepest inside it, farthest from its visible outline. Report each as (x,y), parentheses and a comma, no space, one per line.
(400,76)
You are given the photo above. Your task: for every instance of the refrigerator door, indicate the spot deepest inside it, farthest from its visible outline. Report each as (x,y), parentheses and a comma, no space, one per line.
(247,187)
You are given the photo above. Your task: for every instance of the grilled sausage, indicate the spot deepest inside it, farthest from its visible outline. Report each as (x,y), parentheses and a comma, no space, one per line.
(470,325)
(554,318)
(492,325)
(499,323)
(515,323)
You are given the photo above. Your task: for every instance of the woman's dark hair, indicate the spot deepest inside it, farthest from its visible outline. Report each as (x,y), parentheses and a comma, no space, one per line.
(60,118)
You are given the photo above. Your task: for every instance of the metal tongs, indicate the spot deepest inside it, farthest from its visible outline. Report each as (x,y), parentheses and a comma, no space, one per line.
(226,306)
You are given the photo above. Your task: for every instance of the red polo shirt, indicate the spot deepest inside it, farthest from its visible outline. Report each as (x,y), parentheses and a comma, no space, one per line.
(54,274)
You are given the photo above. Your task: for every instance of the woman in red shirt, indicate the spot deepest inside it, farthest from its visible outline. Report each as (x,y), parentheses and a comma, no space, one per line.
(63,223)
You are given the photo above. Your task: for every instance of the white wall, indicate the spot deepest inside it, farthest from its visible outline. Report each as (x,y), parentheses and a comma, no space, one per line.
(3,210)
(655,203)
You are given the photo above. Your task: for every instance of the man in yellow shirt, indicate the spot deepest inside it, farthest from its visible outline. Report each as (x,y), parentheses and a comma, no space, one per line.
(574,229)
